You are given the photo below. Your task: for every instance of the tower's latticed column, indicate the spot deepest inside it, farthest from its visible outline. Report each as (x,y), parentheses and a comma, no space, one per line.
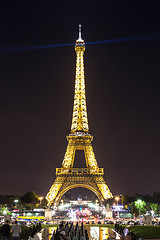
(68,177)
(79,119)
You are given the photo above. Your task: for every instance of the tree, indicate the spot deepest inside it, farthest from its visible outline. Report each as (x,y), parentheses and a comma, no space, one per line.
(30,197)
(44,203)
(156,197)
(4,211)
(154,207)
(30,200)
(140,205)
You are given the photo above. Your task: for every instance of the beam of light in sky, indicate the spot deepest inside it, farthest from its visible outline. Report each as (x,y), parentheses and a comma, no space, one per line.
(154,36)
(14,49)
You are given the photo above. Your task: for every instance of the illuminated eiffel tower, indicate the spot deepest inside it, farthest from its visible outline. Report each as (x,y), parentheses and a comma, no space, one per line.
(79,138)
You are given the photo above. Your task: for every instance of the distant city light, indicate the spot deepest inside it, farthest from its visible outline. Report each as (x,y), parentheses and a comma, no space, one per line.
(73,215)
(38,210)
(53,212)
(64,205)
(93,206)
(104,212)
(117,208)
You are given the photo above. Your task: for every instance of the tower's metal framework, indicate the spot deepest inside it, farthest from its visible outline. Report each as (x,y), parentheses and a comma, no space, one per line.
(68,177)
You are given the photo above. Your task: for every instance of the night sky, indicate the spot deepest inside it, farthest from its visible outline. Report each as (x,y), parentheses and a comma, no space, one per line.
(37,90)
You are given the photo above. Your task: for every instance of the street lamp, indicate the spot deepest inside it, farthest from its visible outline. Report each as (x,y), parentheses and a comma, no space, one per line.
(16,202)
(40,199)
(117,199)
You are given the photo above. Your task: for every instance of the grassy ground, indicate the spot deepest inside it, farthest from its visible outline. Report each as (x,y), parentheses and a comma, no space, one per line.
(49,225)
(146,231)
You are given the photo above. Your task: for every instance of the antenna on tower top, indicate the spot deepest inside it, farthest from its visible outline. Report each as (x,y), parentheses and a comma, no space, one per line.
(80,41)
(80,37)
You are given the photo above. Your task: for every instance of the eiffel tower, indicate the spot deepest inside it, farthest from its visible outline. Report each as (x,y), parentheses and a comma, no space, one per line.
(79,138)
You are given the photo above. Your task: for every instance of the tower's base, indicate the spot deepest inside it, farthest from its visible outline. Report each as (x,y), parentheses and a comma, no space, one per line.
(78,177)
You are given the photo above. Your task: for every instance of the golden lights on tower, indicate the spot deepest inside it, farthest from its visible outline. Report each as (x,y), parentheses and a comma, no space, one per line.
(68,177)
(79,119)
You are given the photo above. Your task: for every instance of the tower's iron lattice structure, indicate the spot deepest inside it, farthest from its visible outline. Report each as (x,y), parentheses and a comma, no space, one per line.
(79,138)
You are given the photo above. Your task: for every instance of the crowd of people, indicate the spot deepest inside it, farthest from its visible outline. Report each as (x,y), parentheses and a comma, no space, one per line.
(15,230)
(62,232)
(67,231)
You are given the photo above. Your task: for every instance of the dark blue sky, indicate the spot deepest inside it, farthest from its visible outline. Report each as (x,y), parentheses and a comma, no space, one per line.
(37,88)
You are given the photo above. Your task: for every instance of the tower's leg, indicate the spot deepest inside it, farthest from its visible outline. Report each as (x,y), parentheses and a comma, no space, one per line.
(54,190)
(103,188)
(90,157)
(69,155)
(92,164)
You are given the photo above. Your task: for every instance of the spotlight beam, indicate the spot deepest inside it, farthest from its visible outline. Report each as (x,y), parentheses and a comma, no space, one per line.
(15,49)
(154,36)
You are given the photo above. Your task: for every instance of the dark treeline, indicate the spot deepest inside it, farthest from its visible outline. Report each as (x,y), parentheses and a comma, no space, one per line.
(28,201)
(32,197)
(128,199)
(31,200)
(154,198)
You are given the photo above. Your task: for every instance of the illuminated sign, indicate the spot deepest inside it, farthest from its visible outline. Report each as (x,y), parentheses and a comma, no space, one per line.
(30,218)
(117,208)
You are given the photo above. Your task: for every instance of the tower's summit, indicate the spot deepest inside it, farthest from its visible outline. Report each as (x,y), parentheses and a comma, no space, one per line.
(80,41)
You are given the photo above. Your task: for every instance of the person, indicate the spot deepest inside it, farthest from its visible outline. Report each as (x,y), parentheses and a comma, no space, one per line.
(15,230)
(5,230)
(126,231)
(60,234)
(34,235)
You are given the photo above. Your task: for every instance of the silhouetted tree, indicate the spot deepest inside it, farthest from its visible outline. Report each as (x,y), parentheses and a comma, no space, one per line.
(30,200)
(156,197)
